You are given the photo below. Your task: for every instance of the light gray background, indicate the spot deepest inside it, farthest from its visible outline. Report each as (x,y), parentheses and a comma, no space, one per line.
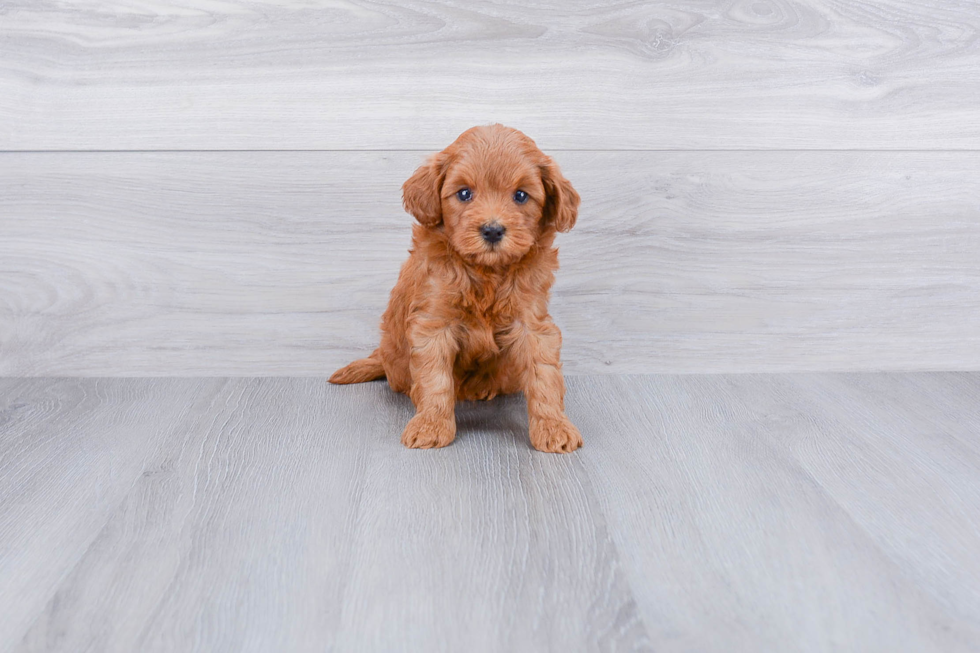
(214,187)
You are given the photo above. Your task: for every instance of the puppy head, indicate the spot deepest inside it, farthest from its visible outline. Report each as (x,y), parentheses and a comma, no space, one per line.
(493,193)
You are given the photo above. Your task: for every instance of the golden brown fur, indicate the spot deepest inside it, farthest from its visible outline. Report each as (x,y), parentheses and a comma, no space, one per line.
(468,318)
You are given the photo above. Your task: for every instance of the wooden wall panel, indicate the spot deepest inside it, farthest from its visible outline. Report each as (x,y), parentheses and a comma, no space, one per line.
(688,74)
(254,263)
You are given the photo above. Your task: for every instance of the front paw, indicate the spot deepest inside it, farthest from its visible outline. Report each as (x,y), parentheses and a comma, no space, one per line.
(555,435)
(426,432)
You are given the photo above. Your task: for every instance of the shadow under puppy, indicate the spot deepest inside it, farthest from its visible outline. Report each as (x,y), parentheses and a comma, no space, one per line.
(468,318)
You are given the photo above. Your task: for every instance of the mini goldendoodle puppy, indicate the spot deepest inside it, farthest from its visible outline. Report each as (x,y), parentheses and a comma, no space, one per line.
(468,318)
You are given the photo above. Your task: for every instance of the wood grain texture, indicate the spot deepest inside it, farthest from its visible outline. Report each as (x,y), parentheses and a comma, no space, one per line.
(234,537)
(71,452)
(713,513)
(792,513)
(284,514)
(512,553)
(280,263)
(704,74)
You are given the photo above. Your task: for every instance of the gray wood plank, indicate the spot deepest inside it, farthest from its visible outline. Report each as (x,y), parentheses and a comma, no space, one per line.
(382,75)
(236,537)
(486,546)
(72,451)
(711,513)
(281,263)
(925,517)
(285,514)
(791,513)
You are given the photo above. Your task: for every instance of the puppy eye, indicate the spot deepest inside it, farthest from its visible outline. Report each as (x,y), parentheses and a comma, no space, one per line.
(520,197)
(464,194)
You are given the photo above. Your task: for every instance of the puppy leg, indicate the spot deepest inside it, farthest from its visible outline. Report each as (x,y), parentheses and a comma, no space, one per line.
(536,350)
(433,389)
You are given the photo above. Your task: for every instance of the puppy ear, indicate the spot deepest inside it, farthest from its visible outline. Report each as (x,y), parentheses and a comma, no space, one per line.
(561,205)
(421,193)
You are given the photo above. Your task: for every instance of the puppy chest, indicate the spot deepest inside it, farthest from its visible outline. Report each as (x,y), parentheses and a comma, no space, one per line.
(486,310)
(480,341)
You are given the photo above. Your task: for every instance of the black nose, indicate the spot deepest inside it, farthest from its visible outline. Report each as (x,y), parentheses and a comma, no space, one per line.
(492,233)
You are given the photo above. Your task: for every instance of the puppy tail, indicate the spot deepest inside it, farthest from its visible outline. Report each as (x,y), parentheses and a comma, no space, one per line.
(360,371)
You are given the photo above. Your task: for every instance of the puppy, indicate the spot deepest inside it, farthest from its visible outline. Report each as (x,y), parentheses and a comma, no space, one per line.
(468,318)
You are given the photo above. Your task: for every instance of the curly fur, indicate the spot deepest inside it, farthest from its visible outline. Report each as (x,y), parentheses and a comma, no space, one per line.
(468,319)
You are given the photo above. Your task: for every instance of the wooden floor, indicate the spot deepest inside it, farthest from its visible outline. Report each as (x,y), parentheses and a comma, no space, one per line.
(706,513)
